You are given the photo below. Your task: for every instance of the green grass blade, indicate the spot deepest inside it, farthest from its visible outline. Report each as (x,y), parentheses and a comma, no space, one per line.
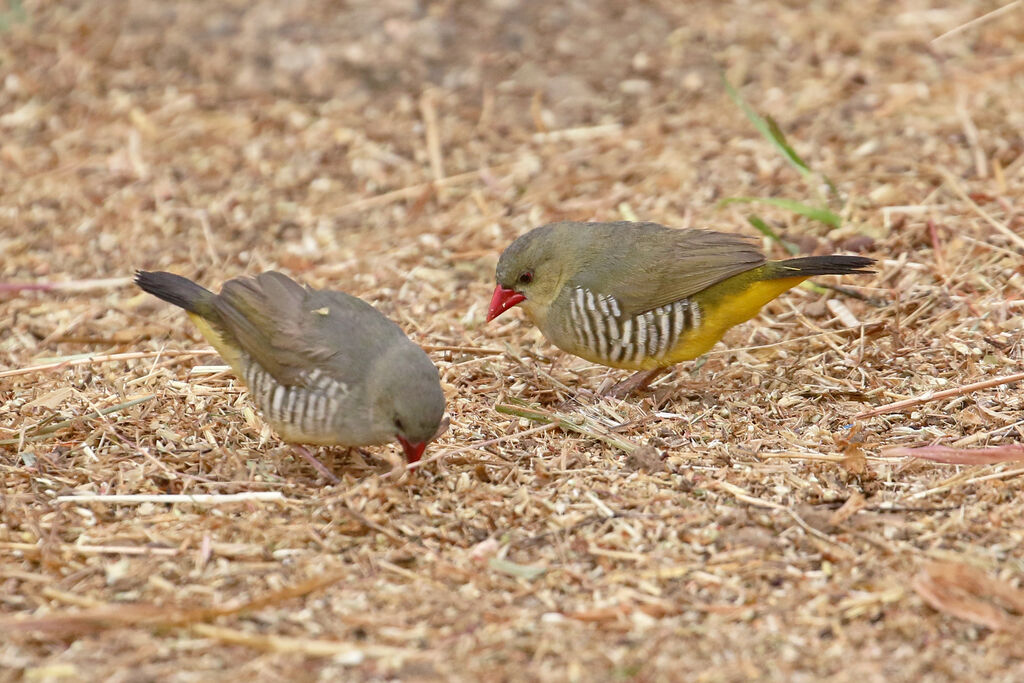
(779,138)
(767,231)
(520,571)
(813,212)
(15,14)
(57,426)
(769,131)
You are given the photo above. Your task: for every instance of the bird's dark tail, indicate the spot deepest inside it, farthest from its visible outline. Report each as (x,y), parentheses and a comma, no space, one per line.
(177,290)
(806,266)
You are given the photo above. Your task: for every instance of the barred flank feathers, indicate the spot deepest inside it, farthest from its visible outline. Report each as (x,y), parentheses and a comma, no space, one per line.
(822,265)
(173,289)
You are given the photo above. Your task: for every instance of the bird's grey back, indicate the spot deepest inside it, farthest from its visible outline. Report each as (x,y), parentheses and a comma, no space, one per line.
(307,355)
(291,329)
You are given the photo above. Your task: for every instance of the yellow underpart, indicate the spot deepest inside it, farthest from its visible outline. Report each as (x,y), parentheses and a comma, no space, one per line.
(230,354)
(720,310)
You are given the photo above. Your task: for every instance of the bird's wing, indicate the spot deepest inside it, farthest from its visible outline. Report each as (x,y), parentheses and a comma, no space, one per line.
(649,266)
(293,331)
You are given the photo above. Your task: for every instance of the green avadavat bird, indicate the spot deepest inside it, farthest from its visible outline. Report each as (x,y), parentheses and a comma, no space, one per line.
(323,366)
(644,296)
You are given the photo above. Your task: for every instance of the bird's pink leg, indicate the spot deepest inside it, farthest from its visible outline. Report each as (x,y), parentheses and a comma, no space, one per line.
(635,382)
(317,465)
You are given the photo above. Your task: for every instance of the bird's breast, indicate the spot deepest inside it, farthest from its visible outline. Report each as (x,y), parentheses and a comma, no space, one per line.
(596,327)
(302,412)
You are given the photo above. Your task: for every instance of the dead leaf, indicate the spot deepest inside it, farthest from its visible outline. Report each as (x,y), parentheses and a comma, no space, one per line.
(645,458)
(484,549)
(52,399)
(961,456)
(613,613)
(853,505)
(969,593)
(854,461)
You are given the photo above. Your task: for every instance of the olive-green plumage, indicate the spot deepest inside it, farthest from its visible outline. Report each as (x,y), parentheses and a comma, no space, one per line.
(641,295)
(323,366)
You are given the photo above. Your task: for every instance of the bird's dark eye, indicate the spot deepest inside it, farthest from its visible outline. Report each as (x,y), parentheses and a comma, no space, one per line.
(526,278)
(398,424)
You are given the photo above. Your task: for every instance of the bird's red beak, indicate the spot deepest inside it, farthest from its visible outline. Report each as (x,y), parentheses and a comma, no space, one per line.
(503,300)
(413,451)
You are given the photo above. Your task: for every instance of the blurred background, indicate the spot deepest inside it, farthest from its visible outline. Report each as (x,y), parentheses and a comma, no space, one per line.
(219,133)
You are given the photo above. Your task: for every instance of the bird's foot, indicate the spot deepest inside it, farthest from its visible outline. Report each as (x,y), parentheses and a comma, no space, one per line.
(636,382)
(317,465)
(446,422)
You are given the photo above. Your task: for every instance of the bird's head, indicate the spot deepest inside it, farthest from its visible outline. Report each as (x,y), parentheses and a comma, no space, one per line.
(529,270)
(407,400)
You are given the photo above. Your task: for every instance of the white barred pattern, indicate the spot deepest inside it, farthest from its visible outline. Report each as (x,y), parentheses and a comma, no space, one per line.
(307,405)
(599,327)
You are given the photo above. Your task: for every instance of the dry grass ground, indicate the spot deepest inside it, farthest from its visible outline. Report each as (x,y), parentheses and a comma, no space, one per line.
(392,149)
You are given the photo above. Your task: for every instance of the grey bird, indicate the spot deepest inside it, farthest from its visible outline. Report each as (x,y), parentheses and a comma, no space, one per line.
(323,366)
